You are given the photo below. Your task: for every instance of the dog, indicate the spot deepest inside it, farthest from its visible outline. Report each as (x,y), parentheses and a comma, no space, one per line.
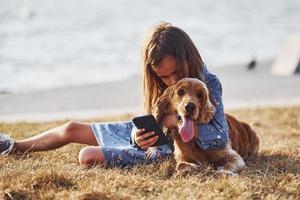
(190,101)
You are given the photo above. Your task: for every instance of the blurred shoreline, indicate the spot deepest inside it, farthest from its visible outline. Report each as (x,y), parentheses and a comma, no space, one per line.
(242,88)
(46,44)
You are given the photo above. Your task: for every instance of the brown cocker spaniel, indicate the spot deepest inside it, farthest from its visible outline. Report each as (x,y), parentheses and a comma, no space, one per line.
(190,102)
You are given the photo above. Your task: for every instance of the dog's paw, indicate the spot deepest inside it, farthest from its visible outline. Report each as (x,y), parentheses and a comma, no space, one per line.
(183,168)
(222,171)
(186,166)
(181,173)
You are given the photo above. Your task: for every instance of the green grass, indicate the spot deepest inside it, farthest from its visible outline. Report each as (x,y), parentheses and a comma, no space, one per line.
(274,174)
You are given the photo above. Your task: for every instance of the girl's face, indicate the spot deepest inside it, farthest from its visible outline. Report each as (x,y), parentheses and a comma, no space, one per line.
(166,70)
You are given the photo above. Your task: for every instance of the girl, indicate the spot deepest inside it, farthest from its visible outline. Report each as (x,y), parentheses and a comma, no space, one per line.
(168,56)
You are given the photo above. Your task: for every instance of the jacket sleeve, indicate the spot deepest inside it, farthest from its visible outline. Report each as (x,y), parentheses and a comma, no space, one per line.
(131,140)
(214,135)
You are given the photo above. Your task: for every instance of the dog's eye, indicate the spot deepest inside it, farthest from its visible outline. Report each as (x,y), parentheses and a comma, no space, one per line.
(180,92)
(199,95)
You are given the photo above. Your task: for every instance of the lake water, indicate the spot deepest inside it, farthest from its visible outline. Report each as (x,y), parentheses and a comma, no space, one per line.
(57,43)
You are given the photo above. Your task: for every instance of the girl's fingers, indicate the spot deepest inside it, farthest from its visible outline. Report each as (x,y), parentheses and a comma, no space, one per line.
(141,138)
(148,134)
(139,132)
(153,142)
(149,142)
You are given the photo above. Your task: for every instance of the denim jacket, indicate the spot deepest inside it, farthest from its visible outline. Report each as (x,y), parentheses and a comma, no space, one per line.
(213,135)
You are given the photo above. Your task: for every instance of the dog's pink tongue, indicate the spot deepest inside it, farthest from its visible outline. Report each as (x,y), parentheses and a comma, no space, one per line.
(187,129)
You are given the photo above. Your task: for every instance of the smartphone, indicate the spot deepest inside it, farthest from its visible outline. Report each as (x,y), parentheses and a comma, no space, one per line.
(149,123)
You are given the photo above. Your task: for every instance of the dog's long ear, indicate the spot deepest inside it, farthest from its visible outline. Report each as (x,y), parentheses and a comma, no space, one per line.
(163,105)
(208,109)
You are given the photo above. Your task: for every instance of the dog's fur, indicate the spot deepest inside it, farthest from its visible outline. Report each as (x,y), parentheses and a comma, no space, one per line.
(243,141)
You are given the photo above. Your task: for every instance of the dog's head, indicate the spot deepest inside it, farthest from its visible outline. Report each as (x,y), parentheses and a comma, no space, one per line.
(189,100)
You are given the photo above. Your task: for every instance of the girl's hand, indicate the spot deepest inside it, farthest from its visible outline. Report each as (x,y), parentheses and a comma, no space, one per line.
(143,143)
(170,121)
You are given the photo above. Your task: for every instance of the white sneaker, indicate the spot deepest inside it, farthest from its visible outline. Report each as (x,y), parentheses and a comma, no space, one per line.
(6,144)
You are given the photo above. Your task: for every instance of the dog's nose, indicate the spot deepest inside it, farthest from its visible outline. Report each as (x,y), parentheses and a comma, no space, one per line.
(190,107)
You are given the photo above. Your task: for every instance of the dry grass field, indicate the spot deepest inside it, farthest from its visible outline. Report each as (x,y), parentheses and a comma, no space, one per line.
(273,174)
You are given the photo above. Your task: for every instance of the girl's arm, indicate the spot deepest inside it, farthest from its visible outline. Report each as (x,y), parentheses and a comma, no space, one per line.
(214,135)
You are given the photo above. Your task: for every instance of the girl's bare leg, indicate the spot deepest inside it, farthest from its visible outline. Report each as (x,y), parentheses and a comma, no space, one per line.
(76,132)
(57,137)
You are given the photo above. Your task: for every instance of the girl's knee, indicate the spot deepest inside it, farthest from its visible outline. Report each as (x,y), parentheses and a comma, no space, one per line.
(68,129)
(90,156)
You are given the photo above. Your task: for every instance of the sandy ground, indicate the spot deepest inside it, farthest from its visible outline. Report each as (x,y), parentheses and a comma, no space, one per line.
(241,88)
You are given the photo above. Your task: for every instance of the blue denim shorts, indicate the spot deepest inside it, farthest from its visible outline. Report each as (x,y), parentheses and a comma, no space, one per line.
(114,141)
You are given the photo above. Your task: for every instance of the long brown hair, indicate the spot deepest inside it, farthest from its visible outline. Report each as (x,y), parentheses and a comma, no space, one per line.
(167,40)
